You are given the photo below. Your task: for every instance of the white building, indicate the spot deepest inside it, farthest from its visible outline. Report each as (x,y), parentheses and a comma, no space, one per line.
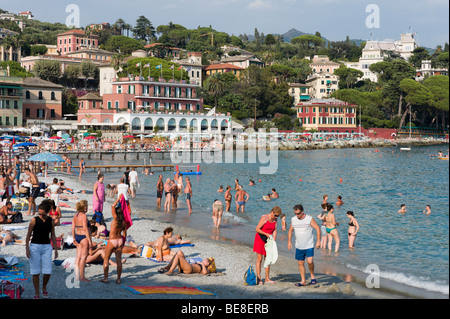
(193,66)
(376,51)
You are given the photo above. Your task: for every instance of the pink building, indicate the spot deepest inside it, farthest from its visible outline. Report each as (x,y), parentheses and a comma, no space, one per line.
(75,40)
(136,93)
(90,110)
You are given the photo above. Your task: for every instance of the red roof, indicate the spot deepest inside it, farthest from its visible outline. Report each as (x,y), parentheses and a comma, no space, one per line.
(221,66)
(75,31)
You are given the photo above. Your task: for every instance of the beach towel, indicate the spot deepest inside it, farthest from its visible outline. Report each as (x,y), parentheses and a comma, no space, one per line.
(126,211)
(181,245)
(12,275)
(144,290)
(271,252)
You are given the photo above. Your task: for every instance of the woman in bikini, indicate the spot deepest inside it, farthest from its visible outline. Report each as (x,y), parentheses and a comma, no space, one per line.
(228,198)
(163,251)
(353,228)
(185,267)
(217,213)
(55,213)
(82,238)
(331,229)
(116,241)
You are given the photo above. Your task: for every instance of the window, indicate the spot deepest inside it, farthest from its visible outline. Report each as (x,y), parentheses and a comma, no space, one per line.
(16,104)
(119,89)
(53,96)
(52,113)
(109,105)
(15,120)
(116,104)
(27,95)
(27,112)
(40,96)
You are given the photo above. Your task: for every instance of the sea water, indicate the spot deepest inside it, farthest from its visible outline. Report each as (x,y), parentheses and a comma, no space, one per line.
(410,250)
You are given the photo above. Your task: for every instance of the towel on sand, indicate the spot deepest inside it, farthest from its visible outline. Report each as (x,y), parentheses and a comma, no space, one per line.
(143,290)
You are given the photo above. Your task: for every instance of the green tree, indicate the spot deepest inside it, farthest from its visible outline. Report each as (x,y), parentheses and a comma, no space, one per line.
(88,70)
(439,87)
(418,55)
(215,85)
(143,30)
(348,76)
(416,95)
(48,70)
(72,72)
(122,44)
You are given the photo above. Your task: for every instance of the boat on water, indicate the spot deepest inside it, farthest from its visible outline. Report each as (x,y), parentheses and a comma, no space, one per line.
(405,148)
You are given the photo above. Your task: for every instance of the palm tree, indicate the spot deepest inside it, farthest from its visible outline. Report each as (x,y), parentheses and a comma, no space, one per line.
(215,85)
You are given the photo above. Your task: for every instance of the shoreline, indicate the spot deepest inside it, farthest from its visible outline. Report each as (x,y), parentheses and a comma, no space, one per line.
(232,259)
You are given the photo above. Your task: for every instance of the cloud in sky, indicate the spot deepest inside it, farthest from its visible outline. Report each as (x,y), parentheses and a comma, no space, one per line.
(334,19)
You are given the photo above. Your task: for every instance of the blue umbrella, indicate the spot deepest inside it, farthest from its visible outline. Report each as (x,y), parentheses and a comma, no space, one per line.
(25,144)
(46,157)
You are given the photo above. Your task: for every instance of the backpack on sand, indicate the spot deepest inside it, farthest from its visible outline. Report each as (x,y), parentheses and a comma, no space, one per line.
(250,278)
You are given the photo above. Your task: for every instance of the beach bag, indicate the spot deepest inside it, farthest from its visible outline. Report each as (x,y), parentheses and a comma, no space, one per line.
(147,252)
(8,288)
(212,266)
(17,218)
(250,278)
(59,243)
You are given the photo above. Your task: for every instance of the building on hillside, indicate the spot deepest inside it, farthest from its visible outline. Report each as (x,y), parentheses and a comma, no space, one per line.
(322,63)
(94,54)
(376,51)
(8,52)
(322,84)
(11,92)
(193,66)
(243,61)
(151,94)
(300,92)
(41,99)
(75,40)
(328,115)
(426,70)
(162,51)
(12,17)
(222,68)
(99,26)
(26,14)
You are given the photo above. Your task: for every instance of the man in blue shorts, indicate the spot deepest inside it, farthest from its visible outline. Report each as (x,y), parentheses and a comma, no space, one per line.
(303,226)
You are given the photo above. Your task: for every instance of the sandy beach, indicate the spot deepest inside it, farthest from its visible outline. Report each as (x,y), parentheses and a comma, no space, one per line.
(232,260)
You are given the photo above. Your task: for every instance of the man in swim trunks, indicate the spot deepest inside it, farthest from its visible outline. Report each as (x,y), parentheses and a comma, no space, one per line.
(241,198)
(35,189)
(159,191)
(188,192)
(167,187)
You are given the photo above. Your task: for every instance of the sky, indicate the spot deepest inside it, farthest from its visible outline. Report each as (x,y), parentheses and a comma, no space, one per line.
(334,19)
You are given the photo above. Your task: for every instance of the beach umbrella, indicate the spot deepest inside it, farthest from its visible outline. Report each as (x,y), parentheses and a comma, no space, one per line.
(128,136)
(86,134)
(90,137)
(55,138)
(25,144)
(46,157)
(65,136)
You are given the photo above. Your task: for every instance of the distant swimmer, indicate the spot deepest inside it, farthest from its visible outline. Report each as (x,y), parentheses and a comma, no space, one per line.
(427,210)
(339,201)
(402,209)
(220,190)
(267,198)
(325,199)
(274,194)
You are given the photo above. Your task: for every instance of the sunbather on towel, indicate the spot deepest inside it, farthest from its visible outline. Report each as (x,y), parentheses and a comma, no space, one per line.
(7,236)
(174,240)
(162,246)
(185,267)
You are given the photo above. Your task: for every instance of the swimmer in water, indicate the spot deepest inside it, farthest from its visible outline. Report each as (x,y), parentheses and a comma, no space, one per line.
(402,209)
(339,201)
(427,210)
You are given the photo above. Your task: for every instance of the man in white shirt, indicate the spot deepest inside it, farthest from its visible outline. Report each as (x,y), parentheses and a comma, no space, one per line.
(303,226)
(123,188)
(54,191)
(134,181)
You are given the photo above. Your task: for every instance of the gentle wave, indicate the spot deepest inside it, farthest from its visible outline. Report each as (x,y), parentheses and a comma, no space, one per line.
(413,281)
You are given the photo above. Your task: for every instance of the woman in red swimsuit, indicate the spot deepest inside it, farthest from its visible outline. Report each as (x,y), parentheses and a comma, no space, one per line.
(267,226)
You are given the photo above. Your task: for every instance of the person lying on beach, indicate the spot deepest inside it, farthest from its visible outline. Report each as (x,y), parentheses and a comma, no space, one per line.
(97,255)
(7,236)
(174,240)
(185,267)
